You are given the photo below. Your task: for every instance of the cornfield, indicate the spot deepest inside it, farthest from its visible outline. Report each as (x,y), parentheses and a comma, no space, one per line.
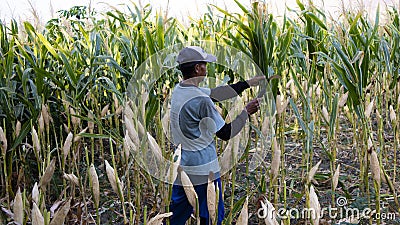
(71,138)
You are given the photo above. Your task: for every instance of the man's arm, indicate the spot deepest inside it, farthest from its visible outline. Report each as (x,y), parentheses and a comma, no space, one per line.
(229,91)
(230,130)
(222,93)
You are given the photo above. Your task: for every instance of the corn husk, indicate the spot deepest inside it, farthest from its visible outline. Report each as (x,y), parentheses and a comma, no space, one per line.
(90,122)
(79,136)
(94,181)
(154,147)
(36,143)
(281,104)
(37,218)
(46,115)
(157,220)
(128,146)
(369,143)
(369,108)
(66,128)
(325,114)
(392,114)
(173,169)
(71,178)
(17,128)
(18,208)
(128,110)
(289,83)
(276,160)
(211,197)
(314,204)
(229,156)
(131,130)
(112,177)
(375,167)
(189,189)
(398,98)
(265,127)
(3,141)
(270,214)
(67,145)
(141,130)
(48,174)
(343,99)
(243,218)
(317,89)
(41,123)
(312,172)
(119,110)
(35,193)
(104,110)
(75,120)
(335,178)
(165,122)
(61,214)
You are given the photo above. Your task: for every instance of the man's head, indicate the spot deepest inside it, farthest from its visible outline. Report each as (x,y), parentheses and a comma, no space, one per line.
(193,60)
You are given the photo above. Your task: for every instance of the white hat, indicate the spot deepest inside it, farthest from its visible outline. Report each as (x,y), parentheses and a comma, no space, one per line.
(194,54)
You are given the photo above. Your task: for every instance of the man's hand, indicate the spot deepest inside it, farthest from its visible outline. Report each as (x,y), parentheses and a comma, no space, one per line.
(255,80)
(252,106)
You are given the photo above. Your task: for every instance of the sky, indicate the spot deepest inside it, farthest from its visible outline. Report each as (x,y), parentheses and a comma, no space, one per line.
(22,9)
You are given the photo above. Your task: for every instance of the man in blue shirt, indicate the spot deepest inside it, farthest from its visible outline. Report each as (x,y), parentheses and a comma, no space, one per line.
(194,122)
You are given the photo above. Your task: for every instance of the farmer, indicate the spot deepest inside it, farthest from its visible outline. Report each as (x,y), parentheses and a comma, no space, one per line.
(194,122)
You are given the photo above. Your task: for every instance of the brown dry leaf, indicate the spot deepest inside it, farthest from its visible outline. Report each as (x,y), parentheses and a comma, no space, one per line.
(61,214)
(157,220)
(48,174)
(243,218)
(18,208)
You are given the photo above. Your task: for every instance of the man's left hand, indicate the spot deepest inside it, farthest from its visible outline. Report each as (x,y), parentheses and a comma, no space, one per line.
(255,81)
